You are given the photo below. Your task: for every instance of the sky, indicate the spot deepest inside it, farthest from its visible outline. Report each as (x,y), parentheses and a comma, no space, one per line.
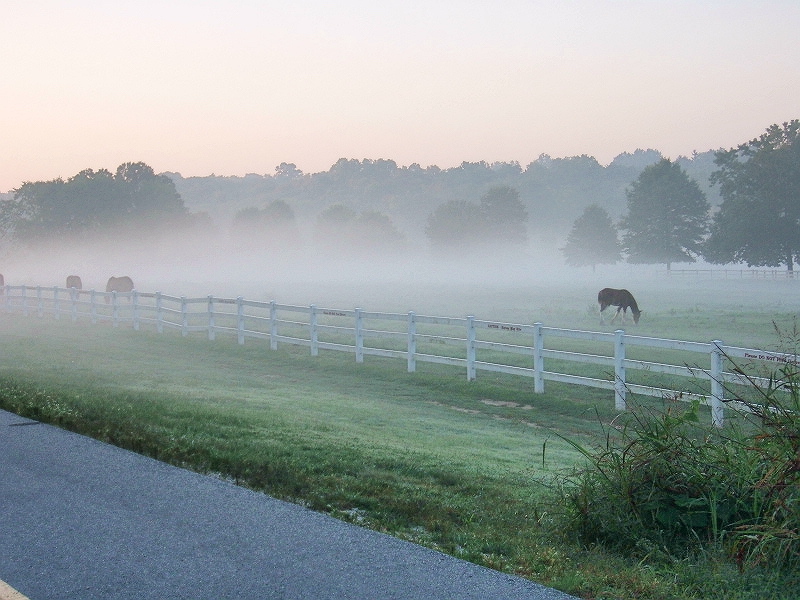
(232,87)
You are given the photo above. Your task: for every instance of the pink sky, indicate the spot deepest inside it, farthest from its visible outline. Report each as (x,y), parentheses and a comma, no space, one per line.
(236,87)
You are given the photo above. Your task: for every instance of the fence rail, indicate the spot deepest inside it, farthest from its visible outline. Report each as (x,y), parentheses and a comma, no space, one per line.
(596,359)
(736,273)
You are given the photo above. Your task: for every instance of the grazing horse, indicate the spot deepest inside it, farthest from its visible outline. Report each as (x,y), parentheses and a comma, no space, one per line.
(622,299)
(118,284)
(73,281)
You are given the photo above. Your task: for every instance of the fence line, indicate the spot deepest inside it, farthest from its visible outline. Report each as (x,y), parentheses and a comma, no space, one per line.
(510,348)
(736,273)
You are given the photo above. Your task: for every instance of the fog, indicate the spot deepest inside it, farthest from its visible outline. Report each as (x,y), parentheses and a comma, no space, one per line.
(491,282)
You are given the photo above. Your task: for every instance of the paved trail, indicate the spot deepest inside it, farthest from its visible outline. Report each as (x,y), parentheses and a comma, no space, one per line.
(83,520)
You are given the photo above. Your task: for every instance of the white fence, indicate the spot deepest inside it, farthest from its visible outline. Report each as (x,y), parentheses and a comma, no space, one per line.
(596,359)
(735,273)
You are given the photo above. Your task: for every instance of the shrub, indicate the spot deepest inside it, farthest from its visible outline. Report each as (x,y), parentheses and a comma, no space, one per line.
(666,485)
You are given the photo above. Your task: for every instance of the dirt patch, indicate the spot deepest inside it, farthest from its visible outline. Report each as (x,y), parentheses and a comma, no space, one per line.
(506,404)
(469,411)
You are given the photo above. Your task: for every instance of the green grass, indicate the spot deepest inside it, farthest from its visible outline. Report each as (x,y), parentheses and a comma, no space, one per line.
(465,467)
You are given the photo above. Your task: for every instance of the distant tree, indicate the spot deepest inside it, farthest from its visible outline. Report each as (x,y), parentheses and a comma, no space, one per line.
(499,218)
(278,213)
(274,226)
(375,231)
(504,217)
(454,225)
(145,194)
(95,202)
(700,166)
(335,218)
(639,159)
(759,219)
(667,216)
(555,190)
(288,171)
(510,170)
(341,229)
(592,240)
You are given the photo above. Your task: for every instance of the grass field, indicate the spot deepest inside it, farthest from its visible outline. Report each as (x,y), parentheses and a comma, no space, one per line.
(465,467)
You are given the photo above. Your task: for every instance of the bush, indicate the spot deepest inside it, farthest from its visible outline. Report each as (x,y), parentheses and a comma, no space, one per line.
(666,485)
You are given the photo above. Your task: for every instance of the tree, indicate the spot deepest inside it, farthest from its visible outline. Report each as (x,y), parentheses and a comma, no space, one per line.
(499,218)
(667,216)
(759,219)
(454,225)
(504,217)
(94,202)
(592,240)
(375,231)
(145,195)
(273,227)
(343,230)
(287,171)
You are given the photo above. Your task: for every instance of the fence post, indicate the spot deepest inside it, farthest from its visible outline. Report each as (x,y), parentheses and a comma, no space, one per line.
(184,317)
(538,359)
(717,387)
(470,348)
(619,370)
(56,304)
(115,311)
(359,336)
(240,319)
(23,301)
(273,326)
(135,302)
(312,320)
(73,295)
(412,342)
(39,301)
(159,314)
(93,306)
(211,331)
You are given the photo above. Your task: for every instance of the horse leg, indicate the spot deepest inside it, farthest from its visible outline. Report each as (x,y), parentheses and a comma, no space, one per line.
(602,308)
(619,308)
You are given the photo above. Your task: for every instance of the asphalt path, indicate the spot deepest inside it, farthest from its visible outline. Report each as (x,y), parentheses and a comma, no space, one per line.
(80,519)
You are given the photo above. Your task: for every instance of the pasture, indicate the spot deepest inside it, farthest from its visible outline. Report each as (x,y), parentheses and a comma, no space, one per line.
(465,467)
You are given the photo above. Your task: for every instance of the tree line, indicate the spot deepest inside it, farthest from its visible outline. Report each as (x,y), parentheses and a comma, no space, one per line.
(736,205)
(669,218)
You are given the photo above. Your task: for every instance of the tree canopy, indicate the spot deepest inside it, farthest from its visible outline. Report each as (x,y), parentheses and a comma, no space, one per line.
(592,240)
(758,221)
(341,229)
(92,201)
(667,216)
(499,218)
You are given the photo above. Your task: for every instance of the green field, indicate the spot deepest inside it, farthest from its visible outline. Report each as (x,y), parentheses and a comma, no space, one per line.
(464,467)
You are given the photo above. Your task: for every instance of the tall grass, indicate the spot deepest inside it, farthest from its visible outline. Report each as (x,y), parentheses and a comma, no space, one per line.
(664,487)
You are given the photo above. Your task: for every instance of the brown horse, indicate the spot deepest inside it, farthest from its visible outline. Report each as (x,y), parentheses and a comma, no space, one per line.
(622,299)
(118,284)
(73,281)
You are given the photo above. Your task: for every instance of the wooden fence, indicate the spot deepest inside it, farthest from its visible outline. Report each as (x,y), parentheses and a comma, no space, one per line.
(617,361)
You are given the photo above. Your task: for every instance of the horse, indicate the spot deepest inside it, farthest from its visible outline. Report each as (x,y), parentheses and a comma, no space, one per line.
(118,284)
(622,299)
(73,281)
